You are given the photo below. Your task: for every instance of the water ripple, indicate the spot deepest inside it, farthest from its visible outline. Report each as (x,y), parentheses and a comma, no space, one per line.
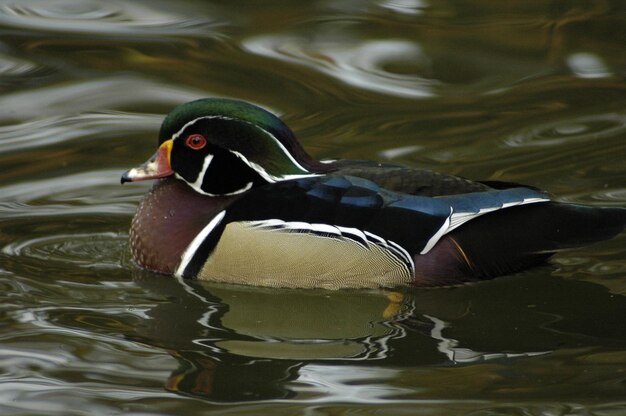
(408,7)
(53,130)
(95,192)
(12,67)
(90,95)
(566,131)
(92,250)
(607,197)
(101,18)
(384,66)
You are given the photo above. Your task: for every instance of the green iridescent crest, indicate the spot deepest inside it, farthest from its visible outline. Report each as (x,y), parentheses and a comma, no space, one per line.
(252,133)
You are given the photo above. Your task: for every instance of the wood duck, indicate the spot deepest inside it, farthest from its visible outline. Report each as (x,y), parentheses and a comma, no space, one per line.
(239,200)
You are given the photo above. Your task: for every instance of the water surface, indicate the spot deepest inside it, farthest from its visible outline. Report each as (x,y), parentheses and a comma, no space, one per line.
(530,92)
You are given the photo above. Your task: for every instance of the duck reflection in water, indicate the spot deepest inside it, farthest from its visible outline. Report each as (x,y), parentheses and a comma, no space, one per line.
(235,343)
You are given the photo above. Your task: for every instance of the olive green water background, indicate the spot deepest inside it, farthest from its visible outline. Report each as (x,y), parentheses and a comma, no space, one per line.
(525,91)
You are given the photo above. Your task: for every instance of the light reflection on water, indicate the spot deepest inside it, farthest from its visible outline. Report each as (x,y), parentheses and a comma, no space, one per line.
(11,67)
(89,95)
(499,91)
(593,127)
(92,17)
(361,65)
(56,130)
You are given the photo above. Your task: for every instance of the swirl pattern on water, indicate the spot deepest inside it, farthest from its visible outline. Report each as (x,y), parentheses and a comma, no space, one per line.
(605,197)
(93,250)
(566,131)
(86,198)
(101,18)
(367,65)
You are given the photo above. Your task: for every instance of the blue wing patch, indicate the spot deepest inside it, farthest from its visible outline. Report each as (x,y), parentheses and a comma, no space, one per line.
(347,190)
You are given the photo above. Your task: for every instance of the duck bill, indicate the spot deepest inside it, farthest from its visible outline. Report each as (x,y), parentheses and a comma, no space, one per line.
(158,166)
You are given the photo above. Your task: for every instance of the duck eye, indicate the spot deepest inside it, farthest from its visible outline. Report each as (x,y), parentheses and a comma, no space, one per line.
(196,141)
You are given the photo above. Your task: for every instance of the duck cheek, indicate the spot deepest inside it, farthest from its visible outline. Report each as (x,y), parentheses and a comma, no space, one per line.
(228,175)
(187,165)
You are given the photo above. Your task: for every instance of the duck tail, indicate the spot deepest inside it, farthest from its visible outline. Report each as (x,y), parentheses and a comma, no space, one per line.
(513,239)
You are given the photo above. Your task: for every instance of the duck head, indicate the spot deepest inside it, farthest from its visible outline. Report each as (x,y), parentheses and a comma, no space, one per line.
(225,147)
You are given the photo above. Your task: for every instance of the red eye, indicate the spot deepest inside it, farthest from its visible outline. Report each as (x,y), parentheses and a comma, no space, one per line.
(196,141)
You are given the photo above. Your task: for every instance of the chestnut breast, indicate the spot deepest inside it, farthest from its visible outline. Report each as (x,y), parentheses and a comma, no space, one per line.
(167,220)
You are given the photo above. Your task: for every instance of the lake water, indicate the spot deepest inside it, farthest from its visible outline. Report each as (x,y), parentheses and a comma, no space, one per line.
(524,91)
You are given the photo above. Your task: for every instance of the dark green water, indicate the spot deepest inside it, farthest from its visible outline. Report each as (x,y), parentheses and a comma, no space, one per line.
(526,91)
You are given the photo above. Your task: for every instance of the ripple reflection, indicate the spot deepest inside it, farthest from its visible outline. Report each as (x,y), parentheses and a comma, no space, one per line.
(96,192)
(565,131)
(90,95)
(384,66)
(93,250)
(53,130)
(408,7)
(11,66)
(100,18)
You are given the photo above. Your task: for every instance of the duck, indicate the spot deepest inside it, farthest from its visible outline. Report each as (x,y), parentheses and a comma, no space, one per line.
(237,199)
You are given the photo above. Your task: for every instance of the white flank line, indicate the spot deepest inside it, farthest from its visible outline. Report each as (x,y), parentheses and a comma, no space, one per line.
(433,240)
(266,223)
(195,243)
(375,239)
(405,253)
(354,232)
(325,228)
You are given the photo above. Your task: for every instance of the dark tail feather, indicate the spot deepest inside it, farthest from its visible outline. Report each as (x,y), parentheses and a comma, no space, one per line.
(516,238)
